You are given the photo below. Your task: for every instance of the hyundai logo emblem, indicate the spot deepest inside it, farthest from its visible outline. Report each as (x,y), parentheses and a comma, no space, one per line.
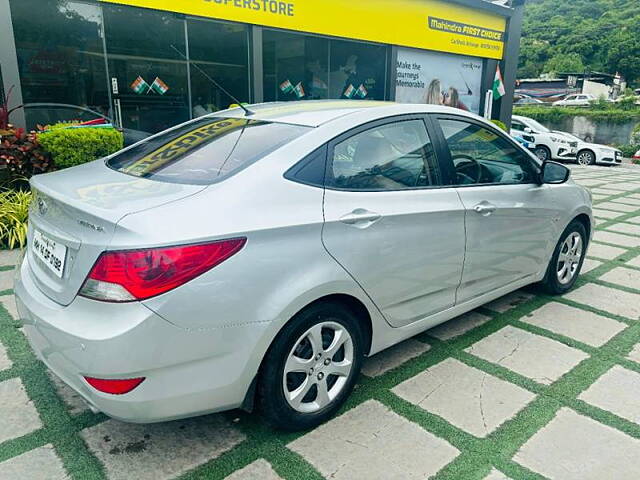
(42,206)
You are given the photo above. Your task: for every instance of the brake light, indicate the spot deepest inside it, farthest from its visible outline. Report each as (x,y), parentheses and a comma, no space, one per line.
(113,386)
(128,275)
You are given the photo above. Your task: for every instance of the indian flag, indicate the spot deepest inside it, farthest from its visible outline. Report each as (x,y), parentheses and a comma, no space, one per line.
(286,86)
(159,86)
(139,85)
(498,85)
(299,91)
(350,90)
(362,91)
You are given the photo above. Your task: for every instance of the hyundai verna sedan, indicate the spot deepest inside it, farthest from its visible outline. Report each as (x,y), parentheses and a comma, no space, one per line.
(254,261)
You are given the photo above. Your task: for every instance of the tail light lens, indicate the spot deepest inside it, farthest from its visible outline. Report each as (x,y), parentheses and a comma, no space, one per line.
(129,275)
(114,387)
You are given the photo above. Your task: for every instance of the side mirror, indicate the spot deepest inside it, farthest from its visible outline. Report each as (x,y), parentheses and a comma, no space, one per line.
(528,130)
(554,173)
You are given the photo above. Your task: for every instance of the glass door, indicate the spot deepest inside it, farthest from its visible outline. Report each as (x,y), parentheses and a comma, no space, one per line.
(148,68)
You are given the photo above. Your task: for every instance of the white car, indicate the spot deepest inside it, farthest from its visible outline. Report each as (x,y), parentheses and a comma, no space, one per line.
(636,156)
(548,145)
(576,100)
(592,153)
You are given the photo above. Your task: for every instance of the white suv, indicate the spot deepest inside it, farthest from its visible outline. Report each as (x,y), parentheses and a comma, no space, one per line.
(577,100)
(549,145)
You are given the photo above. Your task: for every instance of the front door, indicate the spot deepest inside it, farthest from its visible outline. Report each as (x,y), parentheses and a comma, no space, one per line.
(509,215)
(392,220)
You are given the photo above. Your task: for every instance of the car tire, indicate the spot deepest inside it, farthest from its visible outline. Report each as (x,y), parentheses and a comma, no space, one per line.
(566,261)
(586,157)
(297,362)
(542,152)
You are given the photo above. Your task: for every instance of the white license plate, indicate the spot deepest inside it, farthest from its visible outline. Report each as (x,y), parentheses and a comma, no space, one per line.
(52,253)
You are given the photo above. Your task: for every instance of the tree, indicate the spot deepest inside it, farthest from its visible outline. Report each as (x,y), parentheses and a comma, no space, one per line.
(564,62)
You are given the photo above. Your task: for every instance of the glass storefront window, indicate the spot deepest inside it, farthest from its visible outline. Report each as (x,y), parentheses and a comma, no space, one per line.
(152,80)
(295,66)
(358,70)
(307,67)
(60,58)
(221,50)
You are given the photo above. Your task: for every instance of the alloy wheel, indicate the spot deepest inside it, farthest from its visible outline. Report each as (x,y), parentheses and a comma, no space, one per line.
(569,258)
(585,158)
(318,367)
(542,154)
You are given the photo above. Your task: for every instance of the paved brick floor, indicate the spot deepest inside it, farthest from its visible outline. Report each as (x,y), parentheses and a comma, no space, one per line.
(526,387)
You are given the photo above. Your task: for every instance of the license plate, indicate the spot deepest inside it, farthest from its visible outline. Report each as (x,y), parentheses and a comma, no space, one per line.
(52,253)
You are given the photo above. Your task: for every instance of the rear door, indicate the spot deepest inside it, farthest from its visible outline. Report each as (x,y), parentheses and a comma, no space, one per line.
(393,219)
(509,216)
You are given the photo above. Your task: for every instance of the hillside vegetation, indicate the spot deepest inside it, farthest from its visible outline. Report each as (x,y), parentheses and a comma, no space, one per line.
(577,35)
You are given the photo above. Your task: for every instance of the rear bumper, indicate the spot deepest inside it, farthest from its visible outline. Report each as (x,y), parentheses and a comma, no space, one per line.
(187,372)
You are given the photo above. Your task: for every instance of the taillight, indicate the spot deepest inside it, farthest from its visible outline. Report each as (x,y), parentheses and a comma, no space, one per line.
(113,386)
(127,275)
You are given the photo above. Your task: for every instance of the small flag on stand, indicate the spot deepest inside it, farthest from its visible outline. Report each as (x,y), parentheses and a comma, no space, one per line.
(159,86)
(350,90)
(139,85)
(362,91)
(286,86)
(299,90)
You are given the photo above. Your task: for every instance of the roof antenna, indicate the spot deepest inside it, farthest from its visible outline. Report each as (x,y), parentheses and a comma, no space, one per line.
(247,112)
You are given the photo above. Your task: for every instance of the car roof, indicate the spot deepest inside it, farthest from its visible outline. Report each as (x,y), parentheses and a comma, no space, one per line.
(313,113)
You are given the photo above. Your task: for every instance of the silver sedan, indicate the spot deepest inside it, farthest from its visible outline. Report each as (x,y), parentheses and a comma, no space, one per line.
(254,260)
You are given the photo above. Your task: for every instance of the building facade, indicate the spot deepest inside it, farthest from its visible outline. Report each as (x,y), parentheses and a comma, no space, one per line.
(148,64)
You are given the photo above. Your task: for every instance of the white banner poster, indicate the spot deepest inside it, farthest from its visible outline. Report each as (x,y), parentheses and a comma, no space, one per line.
(438,78)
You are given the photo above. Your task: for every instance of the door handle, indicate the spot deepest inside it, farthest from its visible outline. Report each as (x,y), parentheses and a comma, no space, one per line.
(360,217)
(485,208)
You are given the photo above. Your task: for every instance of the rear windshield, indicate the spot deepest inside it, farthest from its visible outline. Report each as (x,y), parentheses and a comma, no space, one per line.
(204,150)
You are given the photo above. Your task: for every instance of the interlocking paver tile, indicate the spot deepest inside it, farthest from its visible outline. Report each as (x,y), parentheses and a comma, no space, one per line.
(608,214)
(18,416)
(633,220)
(581,325)
(466,397)
(634,354)
(508,301)
(74,402)
(605,191)
(533,356)
(458,326)
(573,447)
(38,464)
(353,446)
(627,201)
(607,299)
(627,277)
(160,450)
(6,280)
(616,239)
(604,251)
(258,470)
(9,304)
(634,262)
(5,362)
(393,357)
(627,228)
(589,265)
(496,475)
(9,257)
(617,391)
(617,207)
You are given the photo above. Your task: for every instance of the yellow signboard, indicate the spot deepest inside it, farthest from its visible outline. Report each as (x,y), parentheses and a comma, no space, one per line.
(428,24)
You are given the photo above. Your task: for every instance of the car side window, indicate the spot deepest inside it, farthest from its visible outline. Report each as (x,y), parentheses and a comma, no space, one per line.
(481,156)
(393,156)
(517,126)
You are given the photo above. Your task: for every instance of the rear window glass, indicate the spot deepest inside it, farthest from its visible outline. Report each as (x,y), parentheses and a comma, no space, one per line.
(204,150)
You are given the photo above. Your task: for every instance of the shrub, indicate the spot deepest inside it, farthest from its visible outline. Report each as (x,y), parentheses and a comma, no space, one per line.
(22,156)
(628,150)
(635,136)
(499,124)
(549,114)
(74,146)
(14,211)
